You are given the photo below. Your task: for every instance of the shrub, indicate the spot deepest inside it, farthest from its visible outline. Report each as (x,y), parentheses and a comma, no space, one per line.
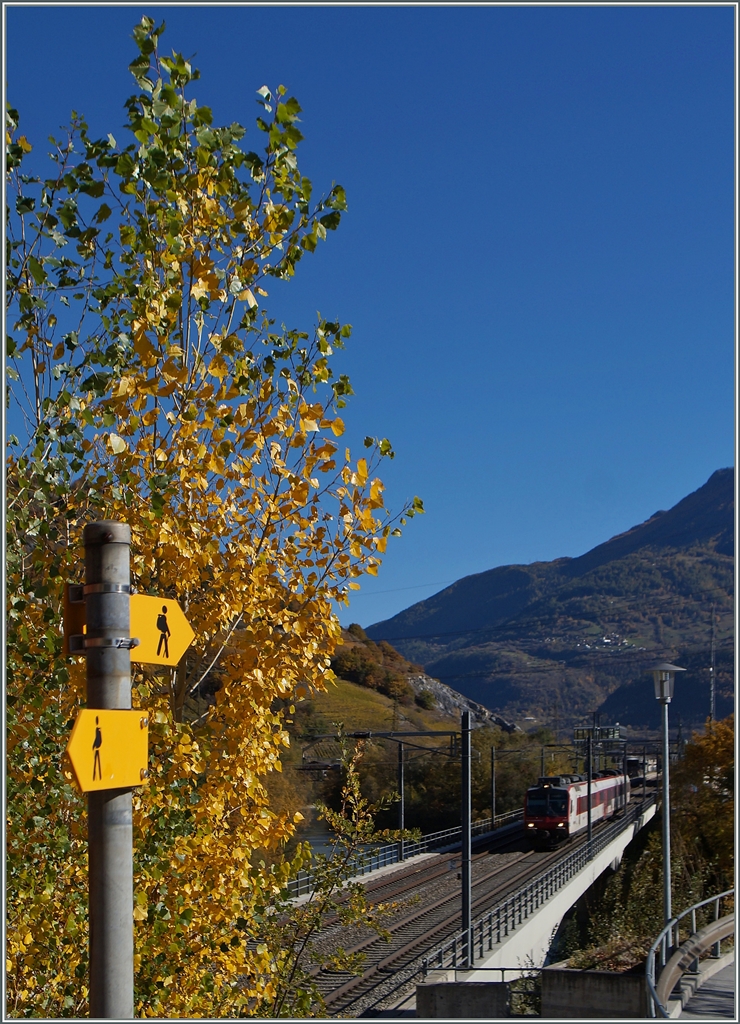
(426,699)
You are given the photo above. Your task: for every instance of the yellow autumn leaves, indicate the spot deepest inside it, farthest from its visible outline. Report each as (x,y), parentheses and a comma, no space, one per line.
(214,436)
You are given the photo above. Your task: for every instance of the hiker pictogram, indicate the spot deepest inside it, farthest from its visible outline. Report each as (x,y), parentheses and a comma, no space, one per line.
(162,629)
(123,762)
(164,632)
(97,744)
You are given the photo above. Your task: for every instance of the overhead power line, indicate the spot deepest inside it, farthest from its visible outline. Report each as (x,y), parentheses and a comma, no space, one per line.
(396,590)
(514,621)
(544,668)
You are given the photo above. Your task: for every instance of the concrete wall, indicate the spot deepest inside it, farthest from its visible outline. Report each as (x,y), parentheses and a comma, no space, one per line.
(462,1000)
(584,994)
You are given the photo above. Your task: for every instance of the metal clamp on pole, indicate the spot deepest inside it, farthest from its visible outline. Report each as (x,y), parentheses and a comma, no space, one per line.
(106,588)
(80,644)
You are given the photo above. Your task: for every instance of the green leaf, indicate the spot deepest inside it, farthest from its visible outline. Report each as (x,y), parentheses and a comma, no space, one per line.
(104,212)
(24,204)
(93,188)
(37,271)
(124,165)
(331,220)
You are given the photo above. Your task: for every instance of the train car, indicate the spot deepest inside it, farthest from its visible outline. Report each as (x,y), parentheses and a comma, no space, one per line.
(557,807)
(635,768)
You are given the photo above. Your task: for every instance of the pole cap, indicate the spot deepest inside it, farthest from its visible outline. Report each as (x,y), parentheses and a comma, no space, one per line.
(106,531)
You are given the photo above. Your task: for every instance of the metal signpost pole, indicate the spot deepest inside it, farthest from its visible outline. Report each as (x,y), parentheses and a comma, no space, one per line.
(110,834)
(466,843)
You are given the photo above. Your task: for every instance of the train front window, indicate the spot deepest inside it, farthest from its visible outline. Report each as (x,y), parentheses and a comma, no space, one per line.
(547,803)
(558,805)
(537,803)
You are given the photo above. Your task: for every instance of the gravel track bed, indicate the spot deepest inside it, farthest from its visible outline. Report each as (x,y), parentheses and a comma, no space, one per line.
(431,927)
(415,892)
(392,968)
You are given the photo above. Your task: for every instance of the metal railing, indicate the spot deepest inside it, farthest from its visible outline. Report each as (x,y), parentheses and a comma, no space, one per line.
(670,939)
(379,857)
(504,918)
(496,924)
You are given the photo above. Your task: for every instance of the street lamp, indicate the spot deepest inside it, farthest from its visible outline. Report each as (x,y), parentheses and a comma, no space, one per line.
(663,680)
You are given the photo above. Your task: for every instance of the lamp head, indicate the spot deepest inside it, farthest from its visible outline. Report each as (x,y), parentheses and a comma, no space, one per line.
(663,679)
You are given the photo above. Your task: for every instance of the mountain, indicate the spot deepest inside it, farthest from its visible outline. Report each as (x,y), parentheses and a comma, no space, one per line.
(380,667)
(556,641)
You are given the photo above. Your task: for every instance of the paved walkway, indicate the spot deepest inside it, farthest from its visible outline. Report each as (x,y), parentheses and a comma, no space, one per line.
(715,1000)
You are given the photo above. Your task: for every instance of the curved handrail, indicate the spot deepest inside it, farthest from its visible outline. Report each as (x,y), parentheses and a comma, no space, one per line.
(670,938)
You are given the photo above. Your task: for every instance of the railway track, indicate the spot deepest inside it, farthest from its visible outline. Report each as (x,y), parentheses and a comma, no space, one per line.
(406,879)
(495,873)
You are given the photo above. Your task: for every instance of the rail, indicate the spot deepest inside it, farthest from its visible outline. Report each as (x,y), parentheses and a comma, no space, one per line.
(670,939)
(515,909)
(495,924)
(394,853)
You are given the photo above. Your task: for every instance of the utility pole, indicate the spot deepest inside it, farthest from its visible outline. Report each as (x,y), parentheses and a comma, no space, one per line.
(712,705)
(401,806)
(644,772)
(493,788)
(588,791)
(557,703)
(466,843)
(110,833)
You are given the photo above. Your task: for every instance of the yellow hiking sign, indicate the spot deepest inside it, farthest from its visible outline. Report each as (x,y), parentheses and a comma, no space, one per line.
(162,629)
(109,749)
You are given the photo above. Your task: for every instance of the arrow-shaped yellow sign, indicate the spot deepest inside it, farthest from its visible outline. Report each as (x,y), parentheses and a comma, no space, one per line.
(109,749)
(162,629)
(158,623)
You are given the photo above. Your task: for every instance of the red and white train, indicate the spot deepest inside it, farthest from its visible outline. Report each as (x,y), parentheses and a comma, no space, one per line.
(557,807)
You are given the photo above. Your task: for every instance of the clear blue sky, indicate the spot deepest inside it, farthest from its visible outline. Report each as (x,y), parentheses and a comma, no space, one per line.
(539,254)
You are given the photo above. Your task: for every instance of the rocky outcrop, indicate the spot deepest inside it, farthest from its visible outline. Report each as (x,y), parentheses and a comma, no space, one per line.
(452,702)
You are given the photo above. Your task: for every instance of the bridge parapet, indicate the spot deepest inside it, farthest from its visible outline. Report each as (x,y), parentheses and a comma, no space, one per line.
(548,896)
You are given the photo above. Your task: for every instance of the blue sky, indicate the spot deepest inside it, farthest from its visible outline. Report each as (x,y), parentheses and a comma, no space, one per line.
(538,259)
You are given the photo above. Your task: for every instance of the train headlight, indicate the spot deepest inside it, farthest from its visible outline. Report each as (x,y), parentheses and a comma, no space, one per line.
(561,824)
(530,824)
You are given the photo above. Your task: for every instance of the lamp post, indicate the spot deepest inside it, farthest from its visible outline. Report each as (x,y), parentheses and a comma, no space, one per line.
(663,680)
(465,851)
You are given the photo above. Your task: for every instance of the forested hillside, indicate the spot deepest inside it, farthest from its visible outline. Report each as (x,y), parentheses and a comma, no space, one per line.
(558,640)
